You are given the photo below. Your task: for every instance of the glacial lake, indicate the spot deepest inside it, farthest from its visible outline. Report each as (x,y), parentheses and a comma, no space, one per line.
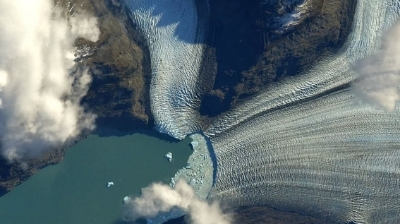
(75,190)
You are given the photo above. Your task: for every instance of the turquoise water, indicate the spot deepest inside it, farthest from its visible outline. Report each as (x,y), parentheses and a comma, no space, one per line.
(75,190)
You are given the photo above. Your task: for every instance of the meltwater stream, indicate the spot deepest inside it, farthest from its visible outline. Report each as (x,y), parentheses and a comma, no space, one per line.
(303,145)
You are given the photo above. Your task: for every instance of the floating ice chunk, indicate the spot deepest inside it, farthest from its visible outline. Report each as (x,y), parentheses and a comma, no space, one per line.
(109,184)
(127,199)
(194,182)
(194,144)
(169,156)
(173,181)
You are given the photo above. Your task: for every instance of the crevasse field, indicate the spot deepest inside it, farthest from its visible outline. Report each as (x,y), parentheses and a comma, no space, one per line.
(306,145)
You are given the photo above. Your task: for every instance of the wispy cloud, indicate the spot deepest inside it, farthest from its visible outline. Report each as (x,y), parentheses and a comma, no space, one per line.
(40,86)
(158,198)
(379,74)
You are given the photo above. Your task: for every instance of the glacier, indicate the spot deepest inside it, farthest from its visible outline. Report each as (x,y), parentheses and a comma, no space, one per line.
(306,144)
(199,175)
(309,145)
(175,36)
(332,157)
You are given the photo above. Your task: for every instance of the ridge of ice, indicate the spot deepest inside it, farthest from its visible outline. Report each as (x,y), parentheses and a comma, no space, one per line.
(295,139)
(174,37)
(329,154)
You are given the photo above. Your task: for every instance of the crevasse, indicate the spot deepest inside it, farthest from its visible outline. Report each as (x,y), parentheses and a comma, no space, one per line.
(306,145)
(175,39)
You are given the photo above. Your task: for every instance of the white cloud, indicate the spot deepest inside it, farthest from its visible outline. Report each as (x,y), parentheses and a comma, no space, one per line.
(40,89)
(379,74)
(85,27)
(158,198)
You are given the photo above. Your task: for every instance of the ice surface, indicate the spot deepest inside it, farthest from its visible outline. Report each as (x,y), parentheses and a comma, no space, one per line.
(332,157)
(194,144)
(372,18)
(174,37)
(127,199)
(169,156)
(302,147)
(298,146)
(200,173)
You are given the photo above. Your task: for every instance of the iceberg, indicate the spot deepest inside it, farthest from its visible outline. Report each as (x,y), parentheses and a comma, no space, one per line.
(126,199)
(109,184)
(169,156)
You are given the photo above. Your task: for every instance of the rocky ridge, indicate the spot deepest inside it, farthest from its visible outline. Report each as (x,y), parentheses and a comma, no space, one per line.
(262,52)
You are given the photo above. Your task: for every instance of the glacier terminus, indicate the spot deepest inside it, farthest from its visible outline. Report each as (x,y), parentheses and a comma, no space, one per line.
(308,144)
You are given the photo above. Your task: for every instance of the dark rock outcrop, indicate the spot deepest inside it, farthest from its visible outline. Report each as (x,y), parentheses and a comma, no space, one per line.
(252,51)
(119,92)
(14,174)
